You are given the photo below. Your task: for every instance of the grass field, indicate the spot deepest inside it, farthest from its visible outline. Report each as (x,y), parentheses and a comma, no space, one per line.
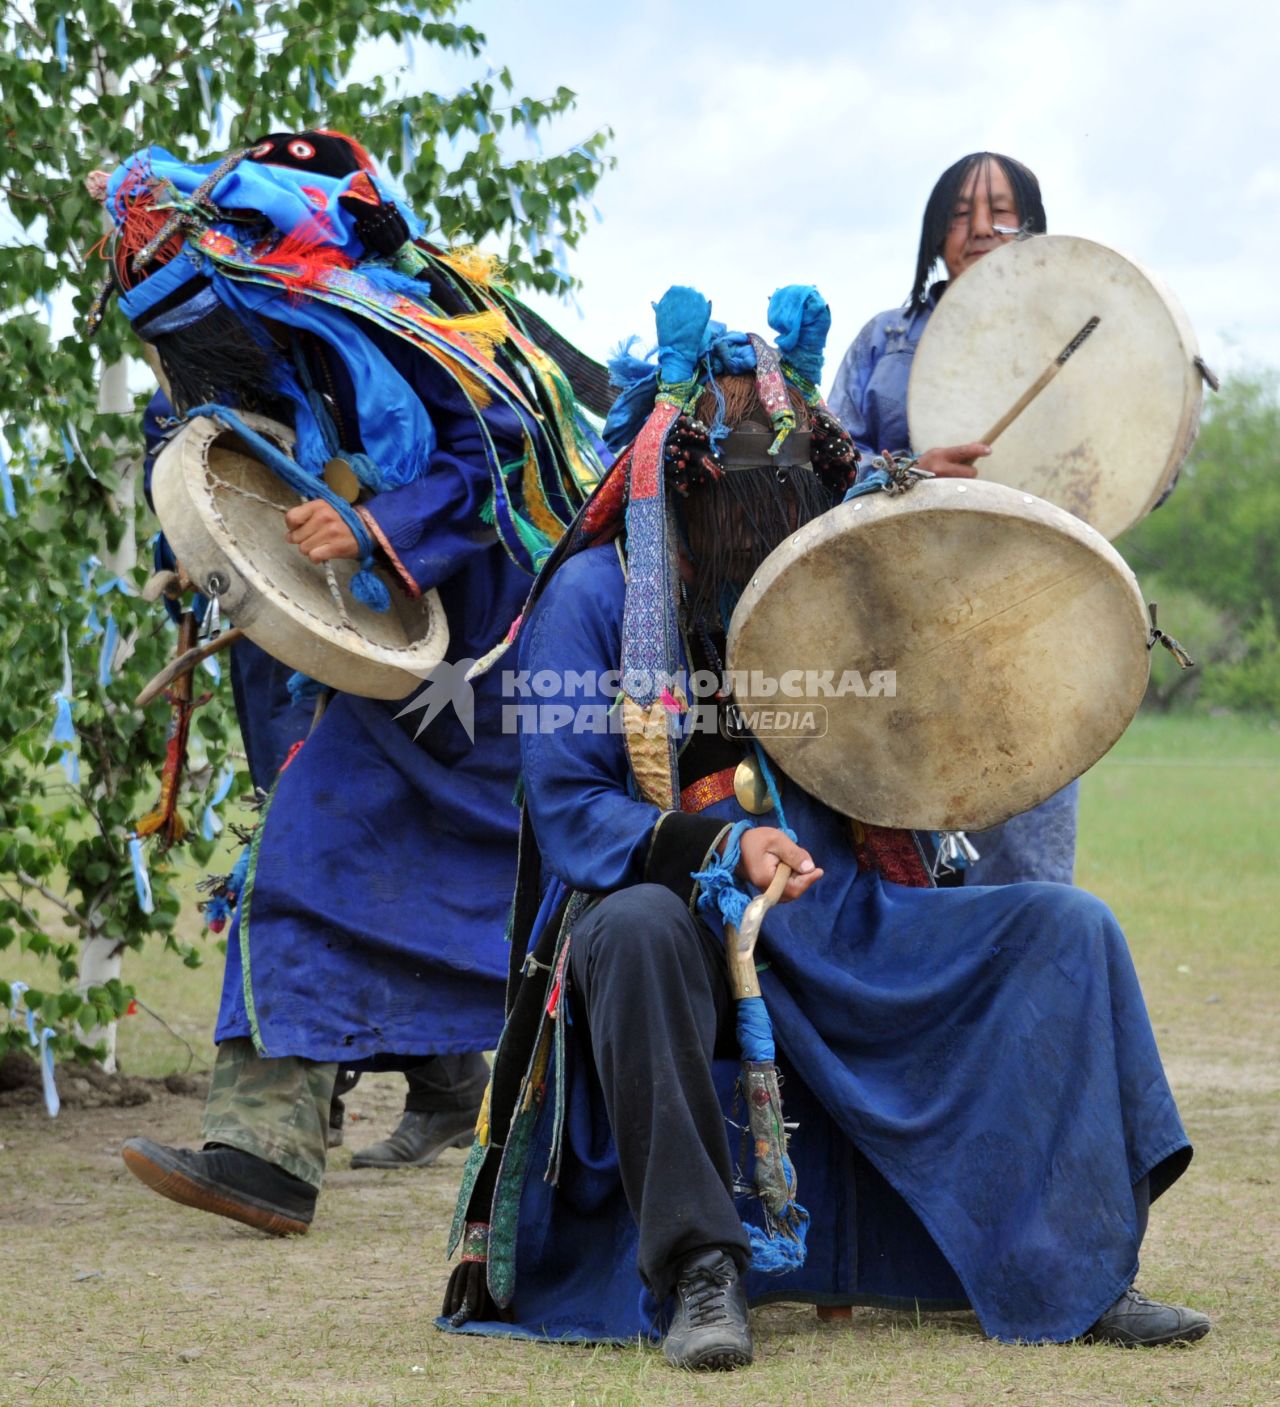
(119,1297)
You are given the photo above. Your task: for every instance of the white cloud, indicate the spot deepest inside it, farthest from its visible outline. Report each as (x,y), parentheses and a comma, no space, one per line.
(759,144)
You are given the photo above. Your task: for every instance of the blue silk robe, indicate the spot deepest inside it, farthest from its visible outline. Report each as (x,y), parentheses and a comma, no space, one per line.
(372,926)
(973,1072)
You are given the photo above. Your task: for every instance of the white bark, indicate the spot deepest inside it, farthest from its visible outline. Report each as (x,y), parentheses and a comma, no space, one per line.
(100,961)
(101,957)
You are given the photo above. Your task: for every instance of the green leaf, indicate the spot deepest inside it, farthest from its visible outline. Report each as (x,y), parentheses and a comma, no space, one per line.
(57,126)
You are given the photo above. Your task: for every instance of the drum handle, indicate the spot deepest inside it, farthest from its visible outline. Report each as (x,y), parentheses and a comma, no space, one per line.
(367,588)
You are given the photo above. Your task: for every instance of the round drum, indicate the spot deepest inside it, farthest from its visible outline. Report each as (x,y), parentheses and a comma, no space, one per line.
(1106,437)
(941,660)
(223,513)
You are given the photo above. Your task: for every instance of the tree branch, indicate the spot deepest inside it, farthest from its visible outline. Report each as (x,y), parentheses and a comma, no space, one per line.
(30,882)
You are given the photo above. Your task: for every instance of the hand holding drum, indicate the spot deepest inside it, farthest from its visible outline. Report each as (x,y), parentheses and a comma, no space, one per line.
(1077,361)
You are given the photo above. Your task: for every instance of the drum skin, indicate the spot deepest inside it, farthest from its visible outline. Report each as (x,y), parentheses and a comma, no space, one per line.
(223,513)
(1108,434)
(1015,635)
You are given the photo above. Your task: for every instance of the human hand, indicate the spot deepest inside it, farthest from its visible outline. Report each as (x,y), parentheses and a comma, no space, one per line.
(317,530)
(763,848)
(953,461)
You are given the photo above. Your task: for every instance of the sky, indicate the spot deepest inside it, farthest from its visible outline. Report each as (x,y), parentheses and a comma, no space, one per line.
(763,144)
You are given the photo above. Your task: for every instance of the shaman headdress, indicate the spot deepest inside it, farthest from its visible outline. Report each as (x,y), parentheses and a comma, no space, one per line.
(669,445)
(227,267)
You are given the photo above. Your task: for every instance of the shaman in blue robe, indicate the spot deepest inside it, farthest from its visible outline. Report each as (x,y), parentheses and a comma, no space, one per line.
(869,398)
(973,1073)
(372,923)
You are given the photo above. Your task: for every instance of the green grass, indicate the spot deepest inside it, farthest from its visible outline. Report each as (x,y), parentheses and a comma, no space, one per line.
(1175,834)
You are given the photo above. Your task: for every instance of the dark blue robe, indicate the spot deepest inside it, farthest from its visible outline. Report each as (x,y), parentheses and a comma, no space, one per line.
(973,1071)
(378,894)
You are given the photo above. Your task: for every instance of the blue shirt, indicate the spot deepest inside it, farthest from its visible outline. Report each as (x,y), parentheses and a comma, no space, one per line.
(869,396)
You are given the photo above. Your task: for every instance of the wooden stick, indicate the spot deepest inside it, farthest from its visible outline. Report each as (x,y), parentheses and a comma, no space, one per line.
(185,663)
(1041,381)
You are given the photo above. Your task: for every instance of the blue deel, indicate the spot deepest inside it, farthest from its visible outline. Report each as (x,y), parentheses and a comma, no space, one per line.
(379,892)
(869,398)
(973,1072)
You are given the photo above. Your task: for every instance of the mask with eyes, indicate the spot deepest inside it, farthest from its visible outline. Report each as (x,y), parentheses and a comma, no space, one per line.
(324,153)
(380,227)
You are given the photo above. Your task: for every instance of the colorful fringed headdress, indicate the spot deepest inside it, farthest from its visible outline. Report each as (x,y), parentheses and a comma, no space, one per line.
(225,266)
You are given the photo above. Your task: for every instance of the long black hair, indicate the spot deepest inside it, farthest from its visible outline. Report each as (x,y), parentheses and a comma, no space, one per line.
(942,200)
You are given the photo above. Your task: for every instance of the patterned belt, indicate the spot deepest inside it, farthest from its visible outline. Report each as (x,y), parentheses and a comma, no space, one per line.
(697,796)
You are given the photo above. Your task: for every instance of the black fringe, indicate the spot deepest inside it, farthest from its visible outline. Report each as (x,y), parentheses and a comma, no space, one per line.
(731,527)
(216,360)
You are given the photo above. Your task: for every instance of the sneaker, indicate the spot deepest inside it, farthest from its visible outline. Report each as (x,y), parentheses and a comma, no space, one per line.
(419,1140)
(1137,1322)
(225,1181)
(711,1330)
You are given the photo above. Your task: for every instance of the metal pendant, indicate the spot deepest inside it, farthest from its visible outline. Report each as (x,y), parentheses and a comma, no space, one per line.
(955,852)
(340,477)
(750,788)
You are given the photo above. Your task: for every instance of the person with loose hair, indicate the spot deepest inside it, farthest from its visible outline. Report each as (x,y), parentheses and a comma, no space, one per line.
(979,203)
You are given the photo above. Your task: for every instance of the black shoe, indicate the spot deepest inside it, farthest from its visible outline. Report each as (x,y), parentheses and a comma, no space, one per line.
(1137,1322)
(711,1329)
(419,1140)
(227,1182)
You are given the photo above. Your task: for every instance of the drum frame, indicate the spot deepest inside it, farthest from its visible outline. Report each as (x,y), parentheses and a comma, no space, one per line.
(332,651)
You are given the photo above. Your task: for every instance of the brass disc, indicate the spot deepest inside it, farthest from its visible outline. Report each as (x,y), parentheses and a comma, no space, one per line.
(750,788)
(340,477)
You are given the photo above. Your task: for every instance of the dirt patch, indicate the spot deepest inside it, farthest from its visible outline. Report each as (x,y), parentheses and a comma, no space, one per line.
(85,1086)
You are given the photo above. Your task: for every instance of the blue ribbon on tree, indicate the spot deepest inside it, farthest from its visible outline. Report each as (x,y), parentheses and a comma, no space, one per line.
(141,879)
(106,658)
(38,1034)
(6,485)
(64,728)
(210,821)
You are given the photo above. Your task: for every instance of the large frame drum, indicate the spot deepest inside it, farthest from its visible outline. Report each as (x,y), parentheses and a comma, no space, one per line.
(223,511)
(1015,635)
(1106,437)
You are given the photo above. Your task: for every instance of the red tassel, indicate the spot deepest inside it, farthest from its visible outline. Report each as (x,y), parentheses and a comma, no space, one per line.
(306,257)
(140,221)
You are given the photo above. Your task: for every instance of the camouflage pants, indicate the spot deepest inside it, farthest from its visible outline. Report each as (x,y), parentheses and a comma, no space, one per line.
(275,1109)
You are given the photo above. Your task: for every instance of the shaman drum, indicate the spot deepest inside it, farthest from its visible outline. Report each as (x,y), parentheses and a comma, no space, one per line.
(1107,435)
(223,513)
(941,660)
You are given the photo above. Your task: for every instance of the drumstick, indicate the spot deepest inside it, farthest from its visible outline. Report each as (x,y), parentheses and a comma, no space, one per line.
(185,663)
(1041,381)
